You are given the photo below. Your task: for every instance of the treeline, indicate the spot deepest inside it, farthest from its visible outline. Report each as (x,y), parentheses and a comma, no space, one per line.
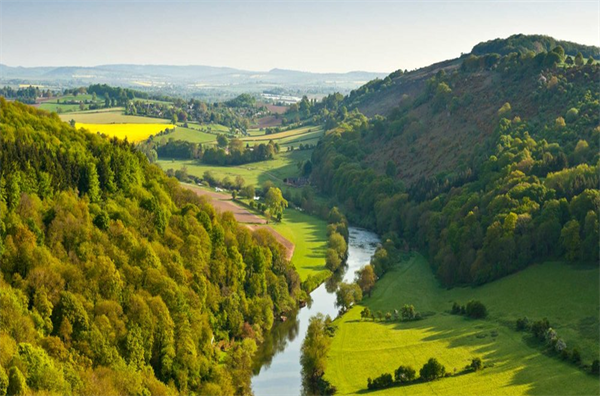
(236,113)
(523,44)
(431,371)
(117,281)
(529,193)
(239,153)
(328,111)
(313,358)
(546,335)
(226,152)
(25,94)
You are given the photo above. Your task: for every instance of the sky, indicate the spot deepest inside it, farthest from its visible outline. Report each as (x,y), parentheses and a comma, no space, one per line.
(316,36)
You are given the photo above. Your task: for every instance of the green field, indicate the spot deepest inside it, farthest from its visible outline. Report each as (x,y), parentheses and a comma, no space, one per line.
(567,296)
(110,116)
(282,137)
(309,234)
(284,165)
(52,105)
(59,107)
(191,135)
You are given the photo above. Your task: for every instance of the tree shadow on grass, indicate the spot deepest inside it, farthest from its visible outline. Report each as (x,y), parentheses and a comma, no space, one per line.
(528,360)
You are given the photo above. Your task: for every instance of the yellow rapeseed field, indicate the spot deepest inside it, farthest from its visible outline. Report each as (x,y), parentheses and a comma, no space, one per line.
(133,132)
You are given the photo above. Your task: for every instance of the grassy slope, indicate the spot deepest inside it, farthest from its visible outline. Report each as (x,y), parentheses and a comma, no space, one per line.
(65,108)
(284,165)
(309,234)
(567,296)
(191,135)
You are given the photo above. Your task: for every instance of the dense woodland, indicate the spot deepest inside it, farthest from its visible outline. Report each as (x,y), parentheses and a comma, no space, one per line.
(117,281)
(528,193)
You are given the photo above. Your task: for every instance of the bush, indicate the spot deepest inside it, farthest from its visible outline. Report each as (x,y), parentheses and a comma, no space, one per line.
(408,312)
(476,309)
(523,324)
(455,309)
(540,327)
(405,374)
(432,370)
(381,382)
(477,364)
(596,367)
(576,356)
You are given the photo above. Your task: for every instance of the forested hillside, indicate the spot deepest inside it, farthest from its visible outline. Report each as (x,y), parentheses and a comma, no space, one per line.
(117,281)
(489,165)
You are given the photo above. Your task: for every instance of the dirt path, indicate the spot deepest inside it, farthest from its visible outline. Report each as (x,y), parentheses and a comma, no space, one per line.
(289,246)
(224,203)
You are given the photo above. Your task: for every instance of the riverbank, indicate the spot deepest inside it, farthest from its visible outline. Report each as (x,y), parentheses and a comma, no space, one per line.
(277,362)
(567,296)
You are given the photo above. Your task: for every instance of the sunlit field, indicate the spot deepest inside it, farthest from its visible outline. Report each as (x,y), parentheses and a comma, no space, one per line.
(133,132)
(567,296)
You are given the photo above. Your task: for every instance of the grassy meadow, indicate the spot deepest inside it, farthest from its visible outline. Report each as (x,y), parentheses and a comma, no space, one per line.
(285,137)
(567,296)
(192,135)
(284,165)
(133,132)
(309,235)
(58,107)
(110,116)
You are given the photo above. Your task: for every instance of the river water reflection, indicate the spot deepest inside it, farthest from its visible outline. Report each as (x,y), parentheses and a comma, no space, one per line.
(277,368)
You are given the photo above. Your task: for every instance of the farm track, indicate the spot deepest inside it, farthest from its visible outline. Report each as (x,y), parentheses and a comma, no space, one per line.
(223,203)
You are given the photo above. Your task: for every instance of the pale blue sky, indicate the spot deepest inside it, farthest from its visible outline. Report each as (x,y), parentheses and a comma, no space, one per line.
(330,36)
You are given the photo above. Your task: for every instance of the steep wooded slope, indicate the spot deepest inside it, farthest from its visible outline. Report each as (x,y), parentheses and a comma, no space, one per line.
(114,280)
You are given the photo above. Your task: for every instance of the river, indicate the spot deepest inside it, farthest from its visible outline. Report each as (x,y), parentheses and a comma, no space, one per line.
(277,368)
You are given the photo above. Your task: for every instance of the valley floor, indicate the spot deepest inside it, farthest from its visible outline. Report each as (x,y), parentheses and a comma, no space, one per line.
(566,295)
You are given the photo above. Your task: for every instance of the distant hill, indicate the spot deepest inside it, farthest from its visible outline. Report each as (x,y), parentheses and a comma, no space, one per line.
(189,79)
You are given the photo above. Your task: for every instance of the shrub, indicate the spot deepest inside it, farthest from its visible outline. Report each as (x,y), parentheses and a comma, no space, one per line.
(455,309)
(476,309)
(432,370)
(381,382)
(408,312)
(576,356)
(477,364)
(405,374)
(596,367)
(540,327)
(505,109)
(523,324)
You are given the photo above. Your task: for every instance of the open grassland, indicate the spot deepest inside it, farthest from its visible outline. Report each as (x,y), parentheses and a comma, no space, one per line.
(309,235)
(209,128)
(284,165)
(133,132)
(58,107)
(567,296)
(192,135)
(282,135)
(111,116)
